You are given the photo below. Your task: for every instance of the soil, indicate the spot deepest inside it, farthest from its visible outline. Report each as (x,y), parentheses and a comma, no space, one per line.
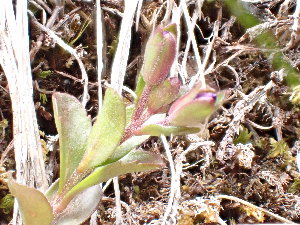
(247,149)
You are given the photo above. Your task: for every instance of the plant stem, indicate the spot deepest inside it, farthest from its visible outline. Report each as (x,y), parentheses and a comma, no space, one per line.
(138,117)
(135,125)
(142,102)
(62,200)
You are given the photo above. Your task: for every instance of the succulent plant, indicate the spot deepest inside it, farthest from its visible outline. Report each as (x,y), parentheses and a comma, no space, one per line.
(91,154)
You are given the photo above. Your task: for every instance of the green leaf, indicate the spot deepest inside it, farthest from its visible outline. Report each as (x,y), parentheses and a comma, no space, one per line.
(295,187)
(135,161)
(106,133)
(295,96)
(157,130)
(81,31)
(45,73)
(139,87)
(4,123)
(7,203)
(80,207)
(129,112)
(126,147)
(52,191)
(43,98)
(244,136)
(73,127)
(279,148)
(34,206)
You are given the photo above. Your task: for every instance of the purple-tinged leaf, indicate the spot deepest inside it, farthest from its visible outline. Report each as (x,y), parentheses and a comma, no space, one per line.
(163,94)
(193,108)
(80,207)
(73,127)
(34,206)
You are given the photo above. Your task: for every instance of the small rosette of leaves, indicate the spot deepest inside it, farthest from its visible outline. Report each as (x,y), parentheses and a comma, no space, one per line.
(89,155)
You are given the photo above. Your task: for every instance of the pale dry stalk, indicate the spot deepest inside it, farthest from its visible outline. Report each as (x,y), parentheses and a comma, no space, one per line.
(243,107)
(295,36)
(15,61)
(119,70)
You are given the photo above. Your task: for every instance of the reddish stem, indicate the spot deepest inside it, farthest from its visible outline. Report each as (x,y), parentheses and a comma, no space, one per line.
(134,126)
(138,118)
(141,105)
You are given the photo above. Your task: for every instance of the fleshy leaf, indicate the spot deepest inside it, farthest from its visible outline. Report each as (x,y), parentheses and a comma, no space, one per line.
(52,190)
(193,108)
(129,112)
(157,130)
(34,206)
(140,85)
(126,147)
(80,207)
(73,127)
(163,94)
(134,161)
(106,132)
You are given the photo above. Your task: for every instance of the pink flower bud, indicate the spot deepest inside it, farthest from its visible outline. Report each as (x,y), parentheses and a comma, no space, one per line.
(160,53)
(163,94)
(192,108)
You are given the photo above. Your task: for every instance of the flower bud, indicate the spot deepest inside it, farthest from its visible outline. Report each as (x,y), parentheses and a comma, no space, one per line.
(163,94)
(160,53)
(192,108)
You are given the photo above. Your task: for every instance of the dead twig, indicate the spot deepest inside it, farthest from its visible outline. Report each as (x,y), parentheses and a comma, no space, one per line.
(278,123)
(84,80)
(39,40)
(121,57)
(6,151)
(75,79)
(100,40)
(232,198)
(259,126)
(193,40)
(171,210)
(44,5)
(295,36)
(240,110)
(119,220)
(42,90)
